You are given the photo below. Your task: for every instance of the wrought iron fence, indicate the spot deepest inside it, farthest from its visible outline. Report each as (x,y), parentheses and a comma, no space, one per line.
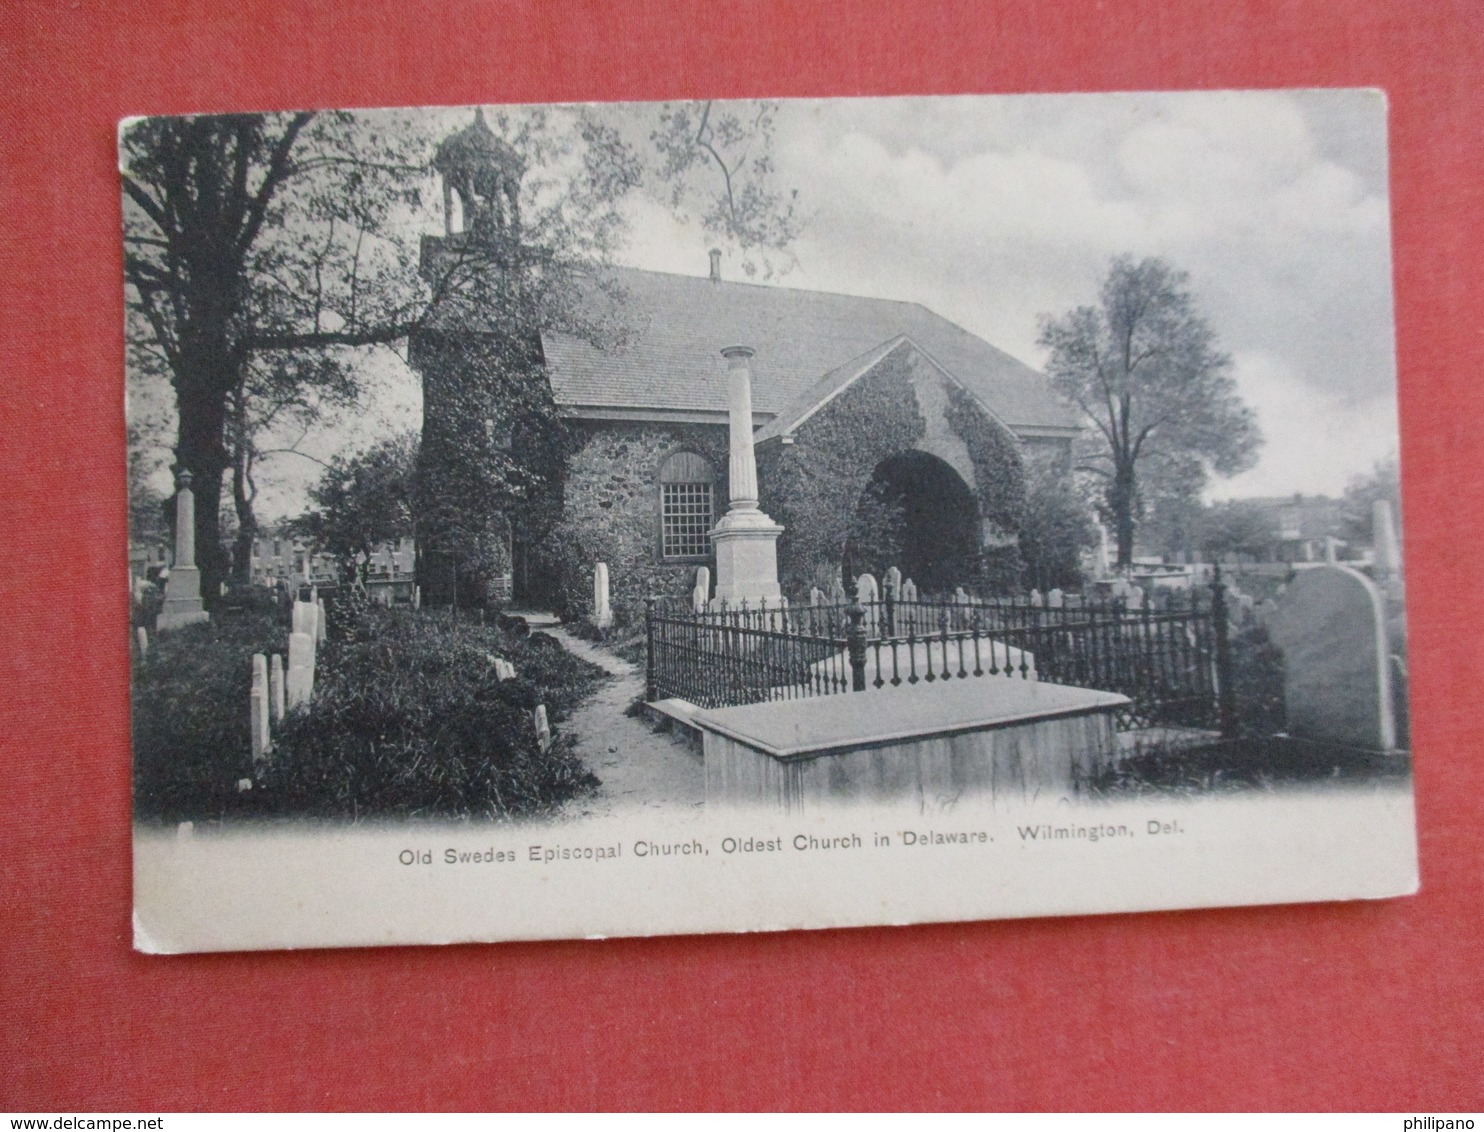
(1171,657)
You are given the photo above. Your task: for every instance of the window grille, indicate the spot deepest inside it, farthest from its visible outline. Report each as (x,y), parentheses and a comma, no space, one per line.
(686,512)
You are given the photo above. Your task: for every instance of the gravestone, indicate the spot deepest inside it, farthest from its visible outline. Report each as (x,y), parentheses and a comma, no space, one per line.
(1054,599)
(417,597)
(816,597)
(143,637)
(837,593)
(1037,601)
(543,729)
(892,581)
(275,688)
(867,595)
(1135,597)
(602,611)
(911,616)
(1337,669)
(258,707)
(299,679)
(700,595)
(305,621)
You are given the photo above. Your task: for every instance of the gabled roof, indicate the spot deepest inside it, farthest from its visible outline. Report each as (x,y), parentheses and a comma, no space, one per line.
(831,385)
(677,325)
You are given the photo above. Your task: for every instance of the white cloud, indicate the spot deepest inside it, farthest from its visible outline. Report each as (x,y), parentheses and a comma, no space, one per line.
(1316,441)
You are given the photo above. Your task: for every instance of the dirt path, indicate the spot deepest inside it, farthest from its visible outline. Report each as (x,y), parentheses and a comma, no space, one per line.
(642,769)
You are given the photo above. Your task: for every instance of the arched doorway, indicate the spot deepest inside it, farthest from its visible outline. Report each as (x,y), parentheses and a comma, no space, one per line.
(918,515)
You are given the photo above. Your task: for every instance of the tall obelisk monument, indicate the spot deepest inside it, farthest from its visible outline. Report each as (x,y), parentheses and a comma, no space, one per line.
(745,540)
(183,586)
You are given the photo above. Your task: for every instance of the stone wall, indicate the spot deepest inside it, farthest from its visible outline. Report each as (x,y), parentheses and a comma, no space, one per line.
(612,509)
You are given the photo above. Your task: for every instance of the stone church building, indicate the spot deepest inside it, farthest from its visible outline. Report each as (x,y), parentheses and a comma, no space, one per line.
(883,431)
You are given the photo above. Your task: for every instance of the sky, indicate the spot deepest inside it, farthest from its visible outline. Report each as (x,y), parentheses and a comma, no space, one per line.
(996,210)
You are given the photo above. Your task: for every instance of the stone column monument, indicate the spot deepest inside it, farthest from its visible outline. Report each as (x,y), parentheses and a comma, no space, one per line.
(745,539)
(183,587)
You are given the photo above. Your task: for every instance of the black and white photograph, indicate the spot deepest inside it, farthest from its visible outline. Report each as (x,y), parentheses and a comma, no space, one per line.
(559,521)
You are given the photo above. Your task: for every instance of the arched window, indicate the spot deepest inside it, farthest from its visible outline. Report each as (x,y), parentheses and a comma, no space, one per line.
(687,489)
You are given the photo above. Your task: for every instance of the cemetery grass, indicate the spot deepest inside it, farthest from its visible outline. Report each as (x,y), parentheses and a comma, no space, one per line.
(1241,765)
(408,720)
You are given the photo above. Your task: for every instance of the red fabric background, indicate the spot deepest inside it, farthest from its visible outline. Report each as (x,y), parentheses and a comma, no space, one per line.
(1364,1006)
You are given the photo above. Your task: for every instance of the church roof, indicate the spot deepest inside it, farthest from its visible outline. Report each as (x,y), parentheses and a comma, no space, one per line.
(677,325)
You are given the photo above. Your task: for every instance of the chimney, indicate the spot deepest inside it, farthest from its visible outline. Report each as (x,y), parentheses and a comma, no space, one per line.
(715,265)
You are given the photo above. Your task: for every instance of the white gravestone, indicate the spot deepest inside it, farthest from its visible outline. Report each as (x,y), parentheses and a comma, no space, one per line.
(275,688)
(700,594)
(1055,599)
(258,707)
(1337,670)
(867,595)
(910,616)
(306,622)
(892,583)
(142,636)
(299,679)
(602,611)
(543,729)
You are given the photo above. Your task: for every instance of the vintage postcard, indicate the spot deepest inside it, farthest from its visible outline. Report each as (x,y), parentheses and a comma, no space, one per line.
(625,519)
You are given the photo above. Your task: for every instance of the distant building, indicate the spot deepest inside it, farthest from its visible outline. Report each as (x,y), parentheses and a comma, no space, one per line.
(1299,526)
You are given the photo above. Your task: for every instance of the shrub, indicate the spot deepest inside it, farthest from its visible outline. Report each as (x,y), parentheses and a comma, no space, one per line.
(407,719)
(411,721)
(1257,682)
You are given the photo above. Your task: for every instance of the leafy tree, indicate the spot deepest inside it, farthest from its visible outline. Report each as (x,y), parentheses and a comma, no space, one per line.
(1055,528)
(362,501)
(249,235)
(1237,526)
(1144,369)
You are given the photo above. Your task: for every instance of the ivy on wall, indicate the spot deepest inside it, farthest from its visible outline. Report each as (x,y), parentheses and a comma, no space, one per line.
(492,456)
(813,486)
(999,485)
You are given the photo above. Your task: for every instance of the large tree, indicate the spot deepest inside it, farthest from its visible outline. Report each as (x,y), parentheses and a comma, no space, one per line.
(249,238)
(1144,368)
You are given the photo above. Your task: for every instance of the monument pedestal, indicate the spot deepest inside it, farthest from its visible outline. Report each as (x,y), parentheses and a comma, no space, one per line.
(182,599)
(746,545)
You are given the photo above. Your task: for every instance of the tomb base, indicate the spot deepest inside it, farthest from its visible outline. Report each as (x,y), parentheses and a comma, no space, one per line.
(1005,740)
